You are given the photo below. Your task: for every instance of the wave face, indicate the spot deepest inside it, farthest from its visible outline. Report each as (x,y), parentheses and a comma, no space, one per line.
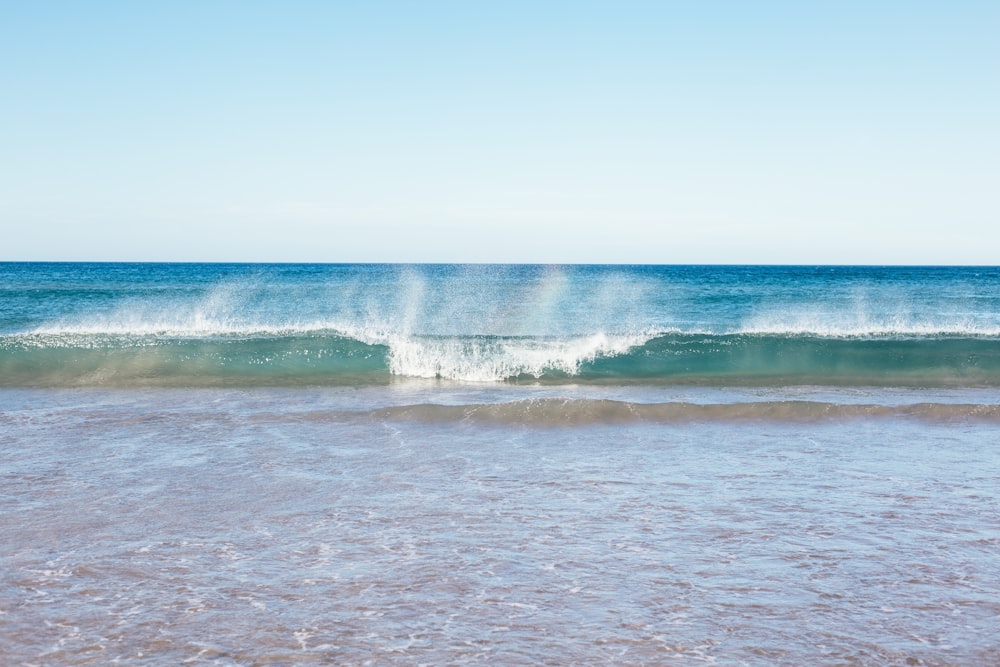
(261,325)
(330,358)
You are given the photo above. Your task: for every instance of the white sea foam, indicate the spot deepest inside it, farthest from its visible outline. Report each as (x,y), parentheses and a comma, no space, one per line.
(491,360)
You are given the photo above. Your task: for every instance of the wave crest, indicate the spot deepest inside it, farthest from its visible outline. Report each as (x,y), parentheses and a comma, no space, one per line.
(488,359)
(325,354)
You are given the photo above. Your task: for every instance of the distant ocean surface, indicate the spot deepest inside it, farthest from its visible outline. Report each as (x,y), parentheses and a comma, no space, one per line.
(237,464)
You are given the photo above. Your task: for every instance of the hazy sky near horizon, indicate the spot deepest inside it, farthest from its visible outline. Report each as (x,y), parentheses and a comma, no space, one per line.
(659,132)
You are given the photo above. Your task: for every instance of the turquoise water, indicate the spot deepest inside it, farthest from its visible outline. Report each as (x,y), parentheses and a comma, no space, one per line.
(266,325)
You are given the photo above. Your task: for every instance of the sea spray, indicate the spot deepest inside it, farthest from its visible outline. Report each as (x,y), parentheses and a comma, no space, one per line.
(260,325)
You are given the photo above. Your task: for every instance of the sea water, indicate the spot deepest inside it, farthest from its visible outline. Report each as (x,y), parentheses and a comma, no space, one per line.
(382,464)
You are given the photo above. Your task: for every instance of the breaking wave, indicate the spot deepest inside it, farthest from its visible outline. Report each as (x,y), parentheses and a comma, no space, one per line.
(325,354)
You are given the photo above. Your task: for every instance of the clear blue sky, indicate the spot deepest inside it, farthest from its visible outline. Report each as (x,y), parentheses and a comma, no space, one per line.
(663,132)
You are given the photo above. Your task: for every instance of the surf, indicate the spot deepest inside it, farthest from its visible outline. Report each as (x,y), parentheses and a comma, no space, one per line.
(271,325)
(327,356)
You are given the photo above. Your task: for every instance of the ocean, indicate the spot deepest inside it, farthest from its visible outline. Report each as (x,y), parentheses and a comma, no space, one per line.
(253,464)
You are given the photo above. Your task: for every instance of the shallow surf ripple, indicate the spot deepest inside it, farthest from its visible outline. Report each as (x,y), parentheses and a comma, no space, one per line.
(311,526)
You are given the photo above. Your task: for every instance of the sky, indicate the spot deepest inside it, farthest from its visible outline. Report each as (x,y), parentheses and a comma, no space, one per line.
(553,132)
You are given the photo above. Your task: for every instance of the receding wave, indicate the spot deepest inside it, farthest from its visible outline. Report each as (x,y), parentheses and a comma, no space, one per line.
(568,412)
(322,355)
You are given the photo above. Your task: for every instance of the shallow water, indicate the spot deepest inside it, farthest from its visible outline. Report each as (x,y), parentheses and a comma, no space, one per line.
(334,526)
